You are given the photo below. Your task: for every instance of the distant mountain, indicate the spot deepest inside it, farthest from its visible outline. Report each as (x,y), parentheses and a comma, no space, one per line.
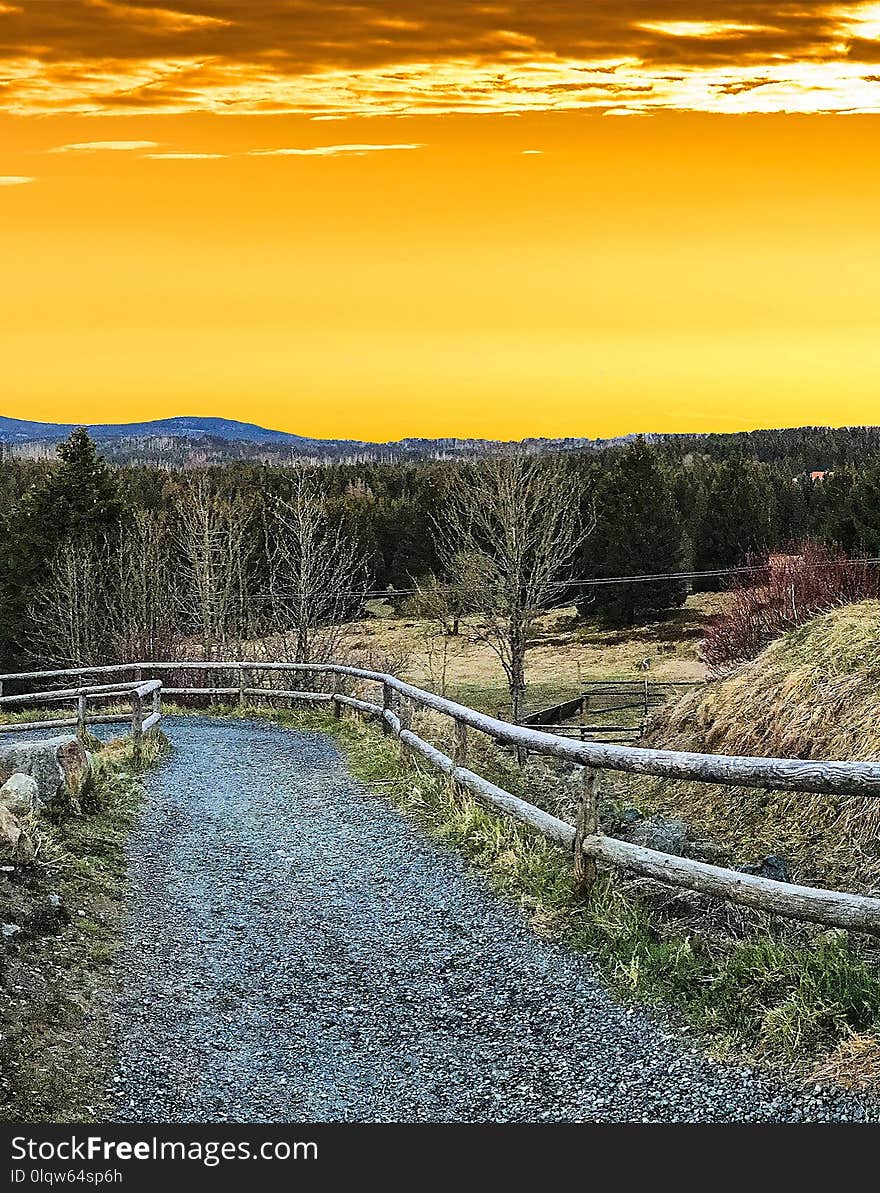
(17,430)
(189,440)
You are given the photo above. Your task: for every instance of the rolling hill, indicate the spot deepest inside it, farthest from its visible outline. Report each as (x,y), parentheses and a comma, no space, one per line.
(211,440)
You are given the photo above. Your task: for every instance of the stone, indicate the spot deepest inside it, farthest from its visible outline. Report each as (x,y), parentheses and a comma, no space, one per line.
(60,765)
(21,795)
(658,832)
(771,866)
(15,844)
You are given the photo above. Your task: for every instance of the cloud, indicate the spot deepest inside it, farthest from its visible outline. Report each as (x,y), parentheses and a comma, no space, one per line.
(100,146)
(335,58)
(14,179)
(185,157)
(331,150)
(700,28)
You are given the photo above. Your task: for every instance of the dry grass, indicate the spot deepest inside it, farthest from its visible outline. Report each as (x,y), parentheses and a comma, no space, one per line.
(854,1064)
(565,653)
(813,694)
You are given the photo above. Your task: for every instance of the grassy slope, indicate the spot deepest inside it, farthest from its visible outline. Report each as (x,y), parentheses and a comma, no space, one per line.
(57,970)
(813,694)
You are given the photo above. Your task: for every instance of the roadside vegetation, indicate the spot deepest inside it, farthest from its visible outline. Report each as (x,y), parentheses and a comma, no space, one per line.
(790,996)
(811,694)
(476,580)
(61,923)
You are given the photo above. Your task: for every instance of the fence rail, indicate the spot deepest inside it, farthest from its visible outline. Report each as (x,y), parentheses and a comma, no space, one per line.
(398,698)
(137,692)
(601,702)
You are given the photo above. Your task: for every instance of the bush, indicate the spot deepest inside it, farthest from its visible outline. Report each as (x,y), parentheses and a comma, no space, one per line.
(785,592)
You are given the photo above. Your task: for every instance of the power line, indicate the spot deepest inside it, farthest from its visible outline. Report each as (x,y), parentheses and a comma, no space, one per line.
(647,578)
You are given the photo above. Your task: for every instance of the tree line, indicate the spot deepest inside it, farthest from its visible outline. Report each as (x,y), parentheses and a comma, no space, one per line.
(114,562)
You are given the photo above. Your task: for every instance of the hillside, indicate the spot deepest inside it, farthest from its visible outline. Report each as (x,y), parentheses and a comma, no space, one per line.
(188,439)
(813,694)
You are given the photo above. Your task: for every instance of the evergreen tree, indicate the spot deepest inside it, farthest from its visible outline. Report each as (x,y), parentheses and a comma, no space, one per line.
(78,500)
(638,532)
(737,520)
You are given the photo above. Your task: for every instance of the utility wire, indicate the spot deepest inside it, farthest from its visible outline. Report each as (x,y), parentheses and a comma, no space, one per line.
(647,578)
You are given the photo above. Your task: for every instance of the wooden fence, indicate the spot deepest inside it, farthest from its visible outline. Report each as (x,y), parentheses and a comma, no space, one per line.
(859,913)
(136,692)
(609,710)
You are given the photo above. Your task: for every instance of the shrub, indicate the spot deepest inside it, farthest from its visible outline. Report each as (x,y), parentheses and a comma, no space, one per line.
(785,592)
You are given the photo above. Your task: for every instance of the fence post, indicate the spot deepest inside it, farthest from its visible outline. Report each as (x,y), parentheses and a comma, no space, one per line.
(240,686)
(404,711)
(460,750)
(81,717)
(157,703)
(387,705)
(586,825)
(137,726)
(337,703)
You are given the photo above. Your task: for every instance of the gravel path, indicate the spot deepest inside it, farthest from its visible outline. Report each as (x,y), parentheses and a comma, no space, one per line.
(297,952)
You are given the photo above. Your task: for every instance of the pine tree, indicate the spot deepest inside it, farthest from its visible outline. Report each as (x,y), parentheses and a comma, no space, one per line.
(638,532)
(737,520)
(80,499)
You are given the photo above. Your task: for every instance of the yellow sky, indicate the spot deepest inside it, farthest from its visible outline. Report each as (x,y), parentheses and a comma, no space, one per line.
(476,243)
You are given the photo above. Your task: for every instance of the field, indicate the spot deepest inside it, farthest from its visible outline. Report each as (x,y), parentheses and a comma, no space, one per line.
(564,655)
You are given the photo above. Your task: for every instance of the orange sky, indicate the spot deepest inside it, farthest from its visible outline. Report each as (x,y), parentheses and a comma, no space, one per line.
(386,219)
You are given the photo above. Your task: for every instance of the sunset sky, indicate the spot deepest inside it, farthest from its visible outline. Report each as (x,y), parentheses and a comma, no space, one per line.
(381,219)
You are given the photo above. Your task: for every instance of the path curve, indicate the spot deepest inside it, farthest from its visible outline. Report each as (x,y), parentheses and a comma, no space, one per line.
(297,952)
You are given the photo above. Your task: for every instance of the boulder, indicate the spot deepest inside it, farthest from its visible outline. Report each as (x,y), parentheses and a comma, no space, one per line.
(660,833)
(21,795)
(60,766)
(15,843)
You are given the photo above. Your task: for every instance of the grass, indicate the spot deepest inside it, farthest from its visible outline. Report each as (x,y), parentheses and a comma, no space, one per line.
(57,970)
(564,654)
(811,694)
(788,995)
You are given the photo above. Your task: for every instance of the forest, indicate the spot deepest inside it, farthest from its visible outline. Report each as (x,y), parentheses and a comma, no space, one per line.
(102,561)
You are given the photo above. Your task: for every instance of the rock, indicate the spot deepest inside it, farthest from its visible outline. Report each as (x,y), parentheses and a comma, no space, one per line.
(15,844)
(21,795)
(708,851)
(666,836)
(770,867)
(60,766)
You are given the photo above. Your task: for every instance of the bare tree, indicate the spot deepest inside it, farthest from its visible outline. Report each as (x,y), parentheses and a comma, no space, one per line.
(144,591)
(70,613)
(316,573)
(508,533)
(216,543)
(440,607)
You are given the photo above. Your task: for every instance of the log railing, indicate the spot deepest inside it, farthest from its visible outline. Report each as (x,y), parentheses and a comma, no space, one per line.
(144,697)
(394,710)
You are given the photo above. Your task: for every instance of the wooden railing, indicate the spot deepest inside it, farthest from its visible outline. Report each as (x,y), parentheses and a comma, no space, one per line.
(600,705)
(141,695)
(857,779)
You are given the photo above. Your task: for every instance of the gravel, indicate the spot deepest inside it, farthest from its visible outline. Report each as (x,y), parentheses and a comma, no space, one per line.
(297,952)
